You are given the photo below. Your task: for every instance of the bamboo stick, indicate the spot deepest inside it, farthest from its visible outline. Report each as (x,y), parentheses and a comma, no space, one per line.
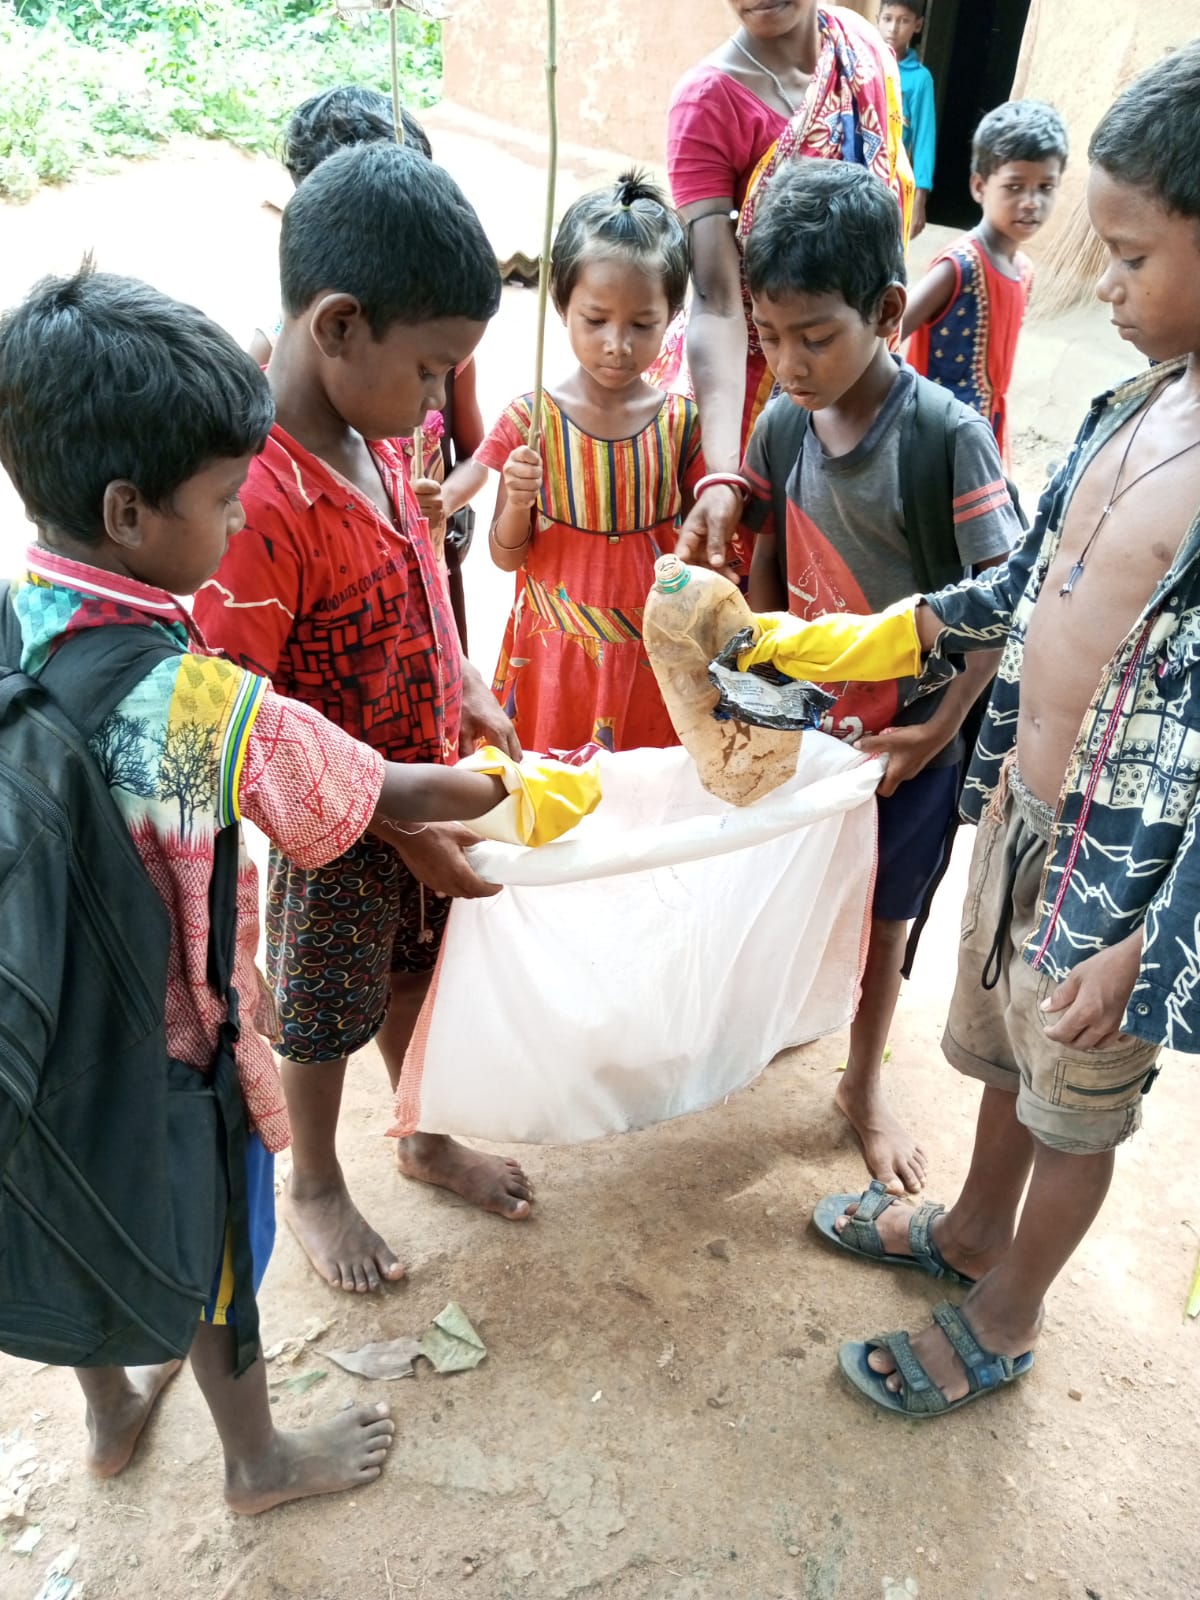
(418,442)
(535,421)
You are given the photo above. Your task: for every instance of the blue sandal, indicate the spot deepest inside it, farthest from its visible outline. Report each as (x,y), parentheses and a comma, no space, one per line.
(920,1396)
(860,1236)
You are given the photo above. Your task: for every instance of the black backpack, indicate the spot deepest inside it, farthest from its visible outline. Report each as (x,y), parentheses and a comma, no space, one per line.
(119,1167)
(927,494)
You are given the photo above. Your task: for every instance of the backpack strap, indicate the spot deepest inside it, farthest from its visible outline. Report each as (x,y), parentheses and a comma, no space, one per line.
(222,950)
(89,674)
(927,486)
(784,425)
(446,443)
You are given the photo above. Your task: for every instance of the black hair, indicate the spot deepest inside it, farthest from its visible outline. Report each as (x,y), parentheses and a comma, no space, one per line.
(103,378)
(632,219)
(338,118)
(1019,130)
(1151,136)
(826,227)
(917,7)
(395,231)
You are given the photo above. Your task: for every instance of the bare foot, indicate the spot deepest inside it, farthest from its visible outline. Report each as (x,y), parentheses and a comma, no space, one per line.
(937,1355)
(116,1422)
(891,1153)
(493,1183)
(336,1237)
(346,1453)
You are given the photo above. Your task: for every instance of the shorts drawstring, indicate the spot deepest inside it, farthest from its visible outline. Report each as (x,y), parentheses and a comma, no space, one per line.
(994,965)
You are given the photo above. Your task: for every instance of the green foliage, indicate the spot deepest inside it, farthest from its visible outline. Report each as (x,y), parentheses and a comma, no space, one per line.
(91,80)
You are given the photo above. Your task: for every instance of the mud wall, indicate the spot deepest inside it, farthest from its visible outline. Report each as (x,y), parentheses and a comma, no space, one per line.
(618,62)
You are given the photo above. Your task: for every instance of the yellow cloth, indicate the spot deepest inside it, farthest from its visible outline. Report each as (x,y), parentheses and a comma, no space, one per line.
(545,798)
(838,648)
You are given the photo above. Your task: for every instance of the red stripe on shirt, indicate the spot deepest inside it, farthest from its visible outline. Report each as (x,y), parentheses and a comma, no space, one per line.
(972,495)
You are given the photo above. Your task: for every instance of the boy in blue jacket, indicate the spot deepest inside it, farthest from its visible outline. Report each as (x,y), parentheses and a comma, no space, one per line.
(900,21)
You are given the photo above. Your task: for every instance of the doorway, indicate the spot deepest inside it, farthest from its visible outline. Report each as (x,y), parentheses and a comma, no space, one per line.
(971,47)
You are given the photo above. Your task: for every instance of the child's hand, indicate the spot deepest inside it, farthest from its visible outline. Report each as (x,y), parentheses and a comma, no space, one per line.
(917,225)
(908,751)
(522,477)
(434,856)
(429,497)
(1088,1007)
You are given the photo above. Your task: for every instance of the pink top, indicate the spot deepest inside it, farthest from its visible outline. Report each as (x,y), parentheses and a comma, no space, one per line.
(717,133)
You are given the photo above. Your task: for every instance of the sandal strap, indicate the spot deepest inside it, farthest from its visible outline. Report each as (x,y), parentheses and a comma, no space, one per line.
(920,1240)
(985,1369)
(920,1393)
(860,1229)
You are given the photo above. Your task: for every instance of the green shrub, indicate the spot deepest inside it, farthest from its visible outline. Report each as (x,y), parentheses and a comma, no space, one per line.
(96,79)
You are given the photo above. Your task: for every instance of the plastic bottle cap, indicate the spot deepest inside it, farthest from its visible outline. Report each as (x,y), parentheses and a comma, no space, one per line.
(670,575)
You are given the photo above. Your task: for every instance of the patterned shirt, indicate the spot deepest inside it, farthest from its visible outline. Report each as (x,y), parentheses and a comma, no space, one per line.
(340,606)
(199,744)
(1124,851)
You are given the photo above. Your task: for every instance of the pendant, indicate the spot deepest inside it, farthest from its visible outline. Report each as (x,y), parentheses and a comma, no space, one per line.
(1068,587)
(1077,570)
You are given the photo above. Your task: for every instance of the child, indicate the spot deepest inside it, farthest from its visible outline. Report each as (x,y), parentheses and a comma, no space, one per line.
(333,592)
(1079,952)
(965,315)
(328,122)
(900,22)
(132,480)
(825,266)
(583,523)
(443,482)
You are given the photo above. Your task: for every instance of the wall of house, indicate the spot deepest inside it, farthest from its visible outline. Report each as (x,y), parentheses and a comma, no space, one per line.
(618,62)
(1122,41)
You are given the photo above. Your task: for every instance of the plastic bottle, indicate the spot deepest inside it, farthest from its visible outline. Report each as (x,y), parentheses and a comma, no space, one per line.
(691,615)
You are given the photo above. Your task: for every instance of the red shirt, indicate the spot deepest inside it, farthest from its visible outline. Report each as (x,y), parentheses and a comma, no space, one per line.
(338,605)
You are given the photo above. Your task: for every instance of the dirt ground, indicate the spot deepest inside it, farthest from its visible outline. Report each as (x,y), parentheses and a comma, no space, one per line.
(659,1416)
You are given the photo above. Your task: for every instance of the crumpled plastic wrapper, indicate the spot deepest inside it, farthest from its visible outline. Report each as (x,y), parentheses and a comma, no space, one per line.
(764,697)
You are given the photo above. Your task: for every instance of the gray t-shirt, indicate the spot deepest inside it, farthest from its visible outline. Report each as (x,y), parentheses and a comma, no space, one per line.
(846,544)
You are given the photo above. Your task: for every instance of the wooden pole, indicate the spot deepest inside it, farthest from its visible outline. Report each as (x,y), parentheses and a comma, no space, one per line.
(535,422)
(394,49)
(418,438)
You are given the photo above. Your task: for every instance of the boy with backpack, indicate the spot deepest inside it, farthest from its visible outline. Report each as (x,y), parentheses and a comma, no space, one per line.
(333,591)
(860,481)
(139,1105)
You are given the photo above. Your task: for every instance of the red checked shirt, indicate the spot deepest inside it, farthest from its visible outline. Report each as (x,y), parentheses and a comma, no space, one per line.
(338,605)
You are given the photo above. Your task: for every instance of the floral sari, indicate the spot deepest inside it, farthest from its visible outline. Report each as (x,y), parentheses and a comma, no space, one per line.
(851,112)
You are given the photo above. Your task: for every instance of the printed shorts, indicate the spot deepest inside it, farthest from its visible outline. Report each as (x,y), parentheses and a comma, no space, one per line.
(335,935)
(1082,1101)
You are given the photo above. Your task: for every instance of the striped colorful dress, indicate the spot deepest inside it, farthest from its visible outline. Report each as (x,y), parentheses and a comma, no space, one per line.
(572,670)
